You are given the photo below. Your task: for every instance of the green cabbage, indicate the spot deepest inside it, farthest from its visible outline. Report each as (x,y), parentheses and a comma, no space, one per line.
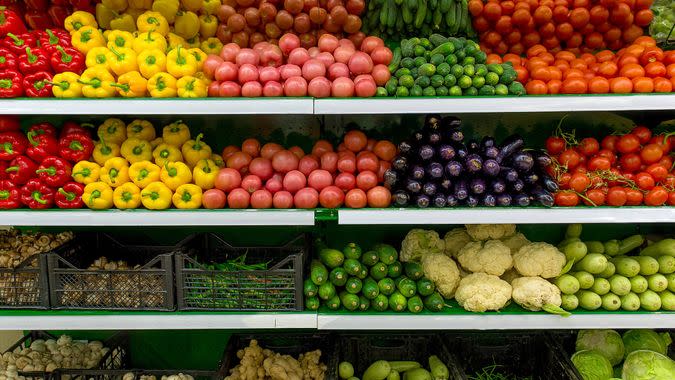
(606,342)
(592,365)
(634,340)
(648,365)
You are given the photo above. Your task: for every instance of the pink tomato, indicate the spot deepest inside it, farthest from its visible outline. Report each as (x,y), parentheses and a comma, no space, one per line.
(267,74)
(365,88)
(329,161)
(289,71)
(239,198)
(226,71)
(366,180)
(306,198)
(313,68)
(326,58)
(308,164)
(261,199)
(252,90)
(360,63)
(282,199)
(273,185)
(214,198)
(271,56)
(251,183)
(338,70)
(345,181)
(343,54)
(342,88)
(214,89)
(229,52)
(319,179)
(328,43)
(228,179)
(347,42)
(211,63)
(229,89)
(249,56)
(273,89)
(356,198)
(295,86)
(319,87)
(370,43)
(381,74)
(294,181)
(247,73)
(331,197)
(381,55)
(284,161)
(288,42)
(298,56)
(262,167)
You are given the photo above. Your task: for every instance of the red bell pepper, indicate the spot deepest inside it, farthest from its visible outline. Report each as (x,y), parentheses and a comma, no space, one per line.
(8,60)
(38,85)
(76,147)
(43,129)
(37,4)
(73,127)
(21,170)
(38,19)
(33,61)
(17,44)
(58,14)
(37,195)
(54,171)
(69,195)
(12,145)
(80,4)
(63,3)
(11,85)
(67,59)
(53,38)
(41,146)
(3,173)
(10,195)
(9,123)
(10,22)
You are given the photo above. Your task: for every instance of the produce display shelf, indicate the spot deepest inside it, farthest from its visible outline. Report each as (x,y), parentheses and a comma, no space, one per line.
(530,215)
(120,218)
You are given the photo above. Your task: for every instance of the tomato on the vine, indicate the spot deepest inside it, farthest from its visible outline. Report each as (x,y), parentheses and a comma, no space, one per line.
(669,181)
(666,161)
(579,182)
(564,180)
(644,181)
(555,145)
(656,196)
(589,146)
(609,142)
(663,142)
(608,154)
(566,198)
(616,196)
(596,197)
(651,153)
(633,197)
(643,133)
(630,162)
(570,158)
(628,143)
(671,198)
(599,163)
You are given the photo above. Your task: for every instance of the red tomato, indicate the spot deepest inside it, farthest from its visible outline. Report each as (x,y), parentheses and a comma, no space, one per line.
(633,197)
(599,163)
(345,181)
(331,197)
(306,198)
(651,153)
(657,171)
(616,196)
(596,197)
(356,140)
(570,158)
(589,146)
(609,142)
(564,180)
(367,161)
(630,162)
(671,198)
(607,154)
(214,198)
(366,180)
(566,198)
(644,181)
(579,182)
(346,162)
(628,143)
(379,197)
(656,196)
(555,145)
(356,198)
(643,133)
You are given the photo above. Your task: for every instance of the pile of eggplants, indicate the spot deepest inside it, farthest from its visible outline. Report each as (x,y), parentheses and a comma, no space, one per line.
(437,167)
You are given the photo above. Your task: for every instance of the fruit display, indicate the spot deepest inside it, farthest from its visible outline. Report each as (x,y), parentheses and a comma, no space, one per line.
(438,167)
(630,169)
(661,28)
(394,20)
(390,369)
(440,66)
(617,274)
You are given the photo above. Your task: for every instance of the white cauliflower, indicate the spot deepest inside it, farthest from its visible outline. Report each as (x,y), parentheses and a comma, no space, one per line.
(535,293)
(455,239)
(539,259)
(443,271)
(490,231)
(419,242)
(515,242)
(481,292)
(491,257)
(510,275)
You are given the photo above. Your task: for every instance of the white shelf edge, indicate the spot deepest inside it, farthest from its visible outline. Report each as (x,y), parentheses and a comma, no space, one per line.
(137,218)
(656,102)
(209,106)
(508,215)
(495,322)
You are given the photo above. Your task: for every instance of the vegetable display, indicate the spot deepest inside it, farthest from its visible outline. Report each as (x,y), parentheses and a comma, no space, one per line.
(408,369)
(661,28)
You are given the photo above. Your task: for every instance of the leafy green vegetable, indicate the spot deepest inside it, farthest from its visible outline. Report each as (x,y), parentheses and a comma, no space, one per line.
(647,365)
(592,365)
(606,342)
(492,372)
(634,340)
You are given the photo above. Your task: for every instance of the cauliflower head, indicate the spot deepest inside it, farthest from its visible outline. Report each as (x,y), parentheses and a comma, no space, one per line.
(535,293)
(419,242)
(510,275)
(491,257)
(455,239)
(443,271)
(481,292)
(539,259)
(490,231)
(515,242)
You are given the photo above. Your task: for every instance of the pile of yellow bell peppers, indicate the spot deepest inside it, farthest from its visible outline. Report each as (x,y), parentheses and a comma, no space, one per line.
(151,61)
(132,167)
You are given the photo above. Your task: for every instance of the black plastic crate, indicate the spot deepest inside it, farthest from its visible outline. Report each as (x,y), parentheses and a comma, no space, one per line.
(279,288)
(150,286)
(25,286)
(116,357)
(534,356)
(130,374)
(362,350)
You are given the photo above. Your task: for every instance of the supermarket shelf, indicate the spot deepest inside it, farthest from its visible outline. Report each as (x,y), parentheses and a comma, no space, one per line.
(509,215)
(139,218)
(575,103)
(210,106)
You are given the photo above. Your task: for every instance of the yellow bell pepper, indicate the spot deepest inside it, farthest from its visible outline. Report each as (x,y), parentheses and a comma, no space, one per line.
(176,133)
(135,14)
(211,45)
(152,22)
(204,174)
(135,150)
(122,60)
(174,174)
(98,56)
(112,130)
(123,22)
(218,160)
(86,172)
(174,41)
(167,8)
(120,39)
(87,38)
(103,151)
(180,63)
(151,62)
(79,19)
(200,57)
(104,15)
(149,41)
(156,196)
(195,150)
(127,196)
(202,77)
(141,129)
(164,153)
(116,5)
(140,4)
(193,43)
(98,196)
(156,142)
(66,85)
(96,83)
(191,87)
(210,6)
(192,5)
(144,172)
(115,172)
(131,85)
(208,24)
(186,24)
(187,196)
(162,85)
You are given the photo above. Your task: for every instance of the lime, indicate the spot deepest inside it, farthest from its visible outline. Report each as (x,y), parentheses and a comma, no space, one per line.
(457,70)
(464,81)
(491,78)
(437,59)
(471,91)
(416,90)
(501,89)
(478,82)
(449,80)
(443,69)
(481,70)
(423,81)
(406,81)
(468,61)
(455,91)
(436,81)
(470,70)
(442,91)
(414,72)
(451,59)
(419,51)
(402,91)
(429,91)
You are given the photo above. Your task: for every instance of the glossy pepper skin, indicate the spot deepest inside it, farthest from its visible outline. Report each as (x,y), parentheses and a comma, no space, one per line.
(12,145)
(149,40)
(98,196)
(75,147)
(120,39)
(43,129)
(115,172)
(164,153)
(10,22)
(122,60)
(162,85)
(66,85)
(17,44)
(69,195)
(103,151)
(79,19)
(141,129)
(38,85)
(191,87)
(41,146)
(142,173)
(33,60)
(65,59)
(151,62)
(180,63)
(174,174)
(3,173)
(73,127)
(8,60)
(54,171)
(112,130)
(53,39)
(96,83)
(131,85)
(87,38)
(187,196)
(156,196)
(153,21)
(176,133)
(9,123)
(195,150)
(127,196)
(204,174)
(11,84)
(135,150)
(10,195)
(21,170)
(86,172)
(37,195)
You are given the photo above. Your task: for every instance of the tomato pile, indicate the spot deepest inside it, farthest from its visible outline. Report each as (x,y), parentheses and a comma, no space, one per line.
(580,25)
(641,67)
(632,169)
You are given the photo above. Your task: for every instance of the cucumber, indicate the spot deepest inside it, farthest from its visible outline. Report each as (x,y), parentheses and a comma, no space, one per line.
(370,258)
(384,14)
(412,4)
(415,304)
(338,276)
(353,266)
(394,375)
(364,303)
(352,250)
(392,14)
(345,370)
(331,258)
(398,302)
(377,371)
(378,271)
(444,5)
(417,374)
(403,366)
(434,302)
(407,287)
(595,247)
(444,49)
(454,29)
(437,19)
(354,285)
(395,270)
(464,16)
(326,291)
(437,39)
(370,289)
(349,301)
(425,287)
(387,286)
(432,4)
(386,253)
(395,61)
(309,288)
(334,303)
(380,303)
(312,303)
(439,371)
(413,270)
(318,273)
(420,14)
(406,13)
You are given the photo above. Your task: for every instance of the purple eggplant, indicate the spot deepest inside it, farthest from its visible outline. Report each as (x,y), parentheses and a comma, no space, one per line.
(435,170)
(487,142)
(400,163)
(490,152)
(498,186)
(401,198)
(439,200)
(434,138)
(429,188)
(510,146)
(517,185)
(543,197)
(477,186)
(530,178)
(453,169)
(390,178)
(405,148)
(473,146)
(522,162)
(451,200)
(491,168)
(426,152)
(418,137)
(461,150)
(521,200)
(451,122)
(422,201)
(509,174)
(472,201)
(542,159)
(549,183)
(461,191)
(432,121)
(413,186)
(417,172)
(489,200)
(446,152)
(473,163)
(445,184)
(504,200)
(456,135)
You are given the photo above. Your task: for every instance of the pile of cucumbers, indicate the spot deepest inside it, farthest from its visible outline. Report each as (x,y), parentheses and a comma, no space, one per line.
(397,19)
(395,370)
(440,66)
(376,279)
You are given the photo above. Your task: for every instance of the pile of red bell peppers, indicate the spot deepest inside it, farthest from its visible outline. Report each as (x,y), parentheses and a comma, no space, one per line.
(28,60)
(43,14)
(36,166)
